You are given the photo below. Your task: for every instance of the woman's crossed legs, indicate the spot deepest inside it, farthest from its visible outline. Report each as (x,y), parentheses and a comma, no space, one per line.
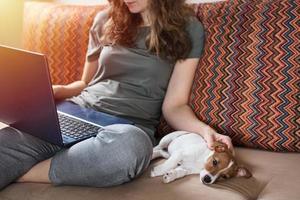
(116,155)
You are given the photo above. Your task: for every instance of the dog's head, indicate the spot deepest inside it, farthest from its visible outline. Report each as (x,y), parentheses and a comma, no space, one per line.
(222,164)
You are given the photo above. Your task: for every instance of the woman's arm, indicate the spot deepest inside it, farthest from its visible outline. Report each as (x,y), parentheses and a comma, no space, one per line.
(176,110)
(91,63)
(73,89)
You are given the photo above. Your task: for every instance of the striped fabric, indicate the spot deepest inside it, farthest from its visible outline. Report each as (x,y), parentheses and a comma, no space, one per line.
(247,83)
(61,32)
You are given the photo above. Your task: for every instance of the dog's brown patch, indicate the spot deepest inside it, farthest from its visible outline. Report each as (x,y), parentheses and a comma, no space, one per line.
(217,162)
(220,159)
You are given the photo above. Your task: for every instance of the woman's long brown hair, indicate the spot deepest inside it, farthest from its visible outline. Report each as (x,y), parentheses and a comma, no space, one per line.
(168,37)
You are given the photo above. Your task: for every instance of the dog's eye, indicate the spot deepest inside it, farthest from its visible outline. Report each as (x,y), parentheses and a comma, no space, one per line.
(215,162)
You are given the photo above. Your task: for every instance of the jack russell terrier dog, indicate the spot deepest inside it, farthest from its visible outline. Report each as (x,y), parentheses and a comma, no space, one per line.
(187,153)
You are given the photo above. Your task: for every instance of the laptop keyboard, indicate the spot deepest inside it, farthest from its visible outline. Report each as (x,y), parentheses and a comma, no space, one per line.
(75,128)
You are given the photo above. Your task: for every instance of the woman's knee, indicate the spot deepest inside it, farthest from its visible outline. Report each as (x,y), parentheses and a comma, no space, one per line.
(117,155)
(134,155)
(135,151)
(129,138)
(135,142)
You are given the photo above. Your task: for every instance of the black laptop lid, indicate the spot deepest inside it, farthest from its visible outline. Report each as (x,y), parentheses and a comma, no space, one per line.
(26,100)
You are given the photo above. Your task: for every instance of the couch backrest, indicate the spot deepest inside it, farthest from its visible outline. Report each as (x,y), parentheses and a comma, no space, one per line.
(247,82)
(61,32)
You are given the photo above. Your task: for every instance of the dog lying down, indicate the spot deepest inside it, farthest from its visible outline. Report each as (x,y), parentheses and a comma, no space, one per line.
(187,153)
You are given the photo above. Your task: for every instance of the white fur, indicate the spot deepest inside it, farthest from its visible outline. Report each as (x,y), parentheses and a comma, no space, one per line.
(186,154)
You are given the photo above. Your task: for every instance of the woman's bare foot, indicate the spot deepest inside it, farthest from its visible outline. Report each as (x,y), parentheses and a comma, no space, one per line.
(38,173)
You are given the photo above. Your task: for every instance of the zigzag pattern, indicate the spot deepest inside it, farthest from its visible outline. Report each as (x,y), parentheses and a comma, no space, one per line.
(247,83)
(61,33)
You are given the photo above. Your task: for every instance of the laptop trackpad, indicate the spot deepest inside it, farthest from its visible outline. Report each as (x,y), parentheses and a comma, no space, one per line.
(90,115)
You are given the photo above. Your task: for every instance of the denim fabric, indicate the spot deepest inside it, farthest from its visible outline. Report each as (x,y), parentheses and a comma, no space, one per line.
(19,152)
(116,155)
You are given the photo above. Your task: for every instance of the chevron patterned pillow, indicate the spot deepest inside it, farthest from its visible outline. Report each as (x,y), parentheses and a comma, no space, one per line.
(61,32)
(247,82)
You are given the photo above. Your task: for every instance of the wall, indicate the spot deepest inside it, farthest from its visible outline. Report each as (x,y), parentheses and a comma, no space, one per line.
(83,1)
(11,12)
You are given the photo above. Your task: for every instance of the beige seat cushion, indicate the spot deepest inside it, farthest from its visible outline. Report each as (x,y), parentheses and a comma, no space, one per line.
(275,176)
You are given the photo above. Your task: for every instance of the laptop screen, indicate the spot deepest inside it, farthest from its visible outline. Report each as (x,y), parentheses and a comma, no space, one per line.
(26,101)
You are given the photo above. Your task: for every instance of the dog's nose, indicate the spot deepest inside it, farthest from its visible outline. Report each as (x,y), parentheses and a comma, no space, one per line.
(206,179)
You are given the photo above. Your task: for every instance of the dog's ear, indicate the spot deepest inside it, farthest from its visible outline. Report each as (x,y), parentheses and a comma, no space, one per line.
(242,171)
(220,147)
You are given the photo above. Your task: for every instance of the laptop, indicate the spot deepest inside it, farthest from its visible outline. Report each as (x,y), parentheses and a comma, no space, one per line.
(27,102)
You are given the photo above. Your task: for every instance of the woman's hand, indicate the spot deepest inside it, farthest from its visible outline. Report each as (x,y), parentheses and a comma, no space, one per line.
(61,92)
(211,137)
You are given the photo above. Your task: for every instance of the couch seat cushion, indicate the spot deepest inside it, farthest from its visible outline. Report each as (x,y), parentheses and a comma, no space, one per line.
(275,177)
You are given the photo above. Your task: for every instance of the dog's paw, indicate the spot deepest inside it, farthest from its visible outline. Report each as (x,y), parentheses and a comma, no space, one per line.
(168,177)
(157,171)
(153,173)
(165,154)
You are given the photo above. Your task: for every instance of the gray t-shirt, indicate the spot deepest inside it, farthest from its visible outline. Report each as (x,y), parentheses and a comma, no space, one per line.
(131,82)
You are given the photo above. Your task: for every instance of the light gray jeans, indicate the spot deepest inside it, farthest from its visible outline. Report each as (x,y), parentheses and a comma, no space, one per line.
(116,155)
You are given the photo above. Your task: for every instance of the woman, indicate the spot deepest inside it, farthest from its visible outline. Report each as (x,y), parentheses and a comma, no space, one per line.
(141,58)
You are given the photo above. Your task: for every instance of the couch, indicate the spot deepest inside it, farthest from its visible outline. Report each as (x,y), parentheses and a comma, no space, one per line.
(246,86)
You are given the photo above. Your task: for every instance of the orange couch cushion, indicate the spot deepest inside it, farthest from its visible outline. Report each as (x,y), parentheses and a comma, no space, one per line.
(59,31)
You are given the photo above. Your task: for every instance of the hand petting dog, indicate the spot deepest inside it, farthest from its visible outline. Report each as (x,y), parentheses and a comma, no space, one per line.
(188,153)
(213,137)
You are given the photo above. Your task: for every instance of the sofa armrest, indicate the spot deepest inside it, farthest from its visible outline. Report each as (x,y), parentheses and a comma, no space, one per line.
(60,31)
